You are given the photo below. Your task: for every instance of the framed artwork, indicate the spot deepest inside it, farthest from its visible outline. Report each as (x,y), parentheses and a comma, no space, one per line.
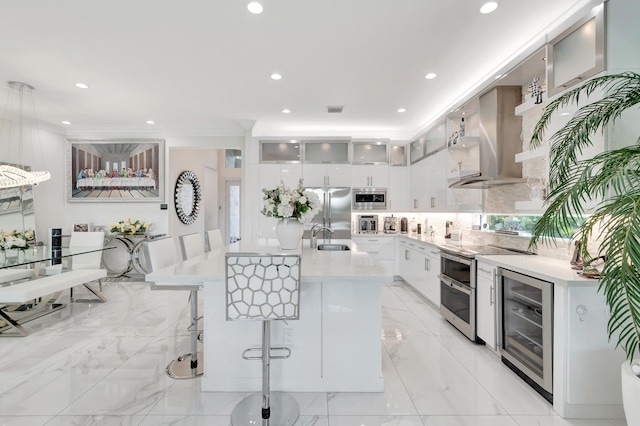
(115,170)
(81,227)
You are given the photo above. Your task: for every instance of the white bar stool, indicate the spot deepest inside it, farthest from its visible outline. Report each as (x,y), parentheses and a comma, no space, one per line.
(264,287)
(162,253)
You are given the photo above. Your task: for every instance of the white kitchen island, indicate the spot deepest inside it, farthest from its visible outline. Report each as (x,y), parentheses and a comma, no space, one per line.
(335,345)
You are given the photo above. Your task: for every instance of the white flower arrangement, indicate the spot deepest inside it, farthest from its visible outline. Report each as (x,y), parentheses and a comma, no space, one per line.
(284,203)
(16,239)
(130,227)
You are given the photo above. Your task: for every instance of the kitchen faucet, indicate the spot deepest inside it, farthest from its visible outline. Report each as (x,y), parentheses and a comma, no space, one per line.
(314,231)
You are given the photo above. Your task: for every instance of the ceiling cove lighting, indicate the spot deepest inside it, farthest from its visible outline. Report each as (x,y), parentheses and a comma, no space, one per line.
(488,7)
(14,173)
(431,76)
(255,8)
(82,85)
(276,76)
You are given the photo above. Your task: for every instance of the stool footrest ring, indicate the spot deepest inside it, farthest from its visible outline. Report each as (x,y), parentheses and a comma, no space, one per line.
(286,355)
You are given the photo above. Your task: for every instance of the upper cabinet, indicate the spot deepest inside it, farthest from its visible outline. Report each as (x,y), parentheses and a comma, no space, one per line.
(280,151)
(326,152)
(577,53)
(397,155)
(370,153)
(430,142)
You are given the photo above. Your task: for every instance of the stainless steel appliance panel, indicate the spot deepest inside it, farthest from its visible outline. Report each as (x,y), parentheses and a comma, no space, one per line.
(335,213)
(458,306)
(369,199)
(526,328)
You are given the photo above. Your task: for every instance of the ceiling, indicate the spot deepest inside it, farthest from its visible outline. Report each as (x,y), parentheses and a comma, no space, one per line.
(203,67)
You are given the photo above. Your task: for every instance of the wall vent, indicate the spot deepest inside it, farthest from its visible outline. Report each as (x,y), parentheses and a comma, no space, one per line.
(335,109)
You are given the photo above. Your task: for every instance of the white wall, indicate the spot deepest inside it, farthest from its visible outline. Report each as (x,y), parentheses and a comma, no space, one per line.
(52,209)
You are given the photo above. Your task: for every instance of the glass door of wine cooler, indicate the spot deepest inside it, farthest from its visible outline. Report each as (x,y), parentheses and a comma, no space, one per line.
(527,327)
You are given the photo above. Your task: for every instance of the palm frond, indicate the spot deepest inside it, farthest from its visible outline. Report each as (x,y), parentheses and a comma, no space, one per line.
(622,91)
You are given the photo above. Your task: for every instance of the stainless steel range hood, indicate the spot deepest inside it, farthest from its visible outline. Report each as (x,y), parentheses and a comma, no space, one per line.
(500,131)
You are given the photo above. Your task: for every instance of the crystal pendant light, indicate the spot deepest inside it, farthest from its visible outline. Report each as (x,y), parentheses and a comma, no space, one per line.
(13,172)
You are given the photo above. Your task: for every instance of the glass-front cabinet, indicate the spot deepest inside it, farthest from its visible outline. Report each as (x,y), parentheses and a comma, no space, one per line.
(370,153)
(280,151)
(326,152)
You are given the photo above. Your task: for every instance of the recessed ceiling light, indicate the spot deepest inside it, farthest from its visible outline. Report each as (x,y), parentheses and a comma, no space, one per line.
(488,7)
(402,110)
(66,122)
(276,76)
(151,122)
(564,113)
(82,86)
(431,76)
(286,111)
(255,7)
(463,113)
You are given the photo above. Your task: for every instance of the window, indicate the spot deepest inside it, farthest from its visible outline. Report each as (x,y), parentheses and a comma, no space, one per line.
(522,224)
(233,159)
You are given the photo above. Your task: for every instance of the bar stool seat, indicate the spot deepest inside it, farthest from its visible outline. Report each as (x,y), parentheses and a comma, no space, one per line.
(264,287)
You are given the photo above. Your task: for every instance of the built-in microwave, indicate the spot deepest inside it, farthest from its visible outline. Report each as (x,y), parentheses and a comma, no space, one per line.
(369,199)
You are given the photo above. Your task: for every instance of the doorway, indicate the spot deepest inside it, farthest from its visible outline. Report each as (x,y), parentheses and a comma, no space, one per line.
(232,213)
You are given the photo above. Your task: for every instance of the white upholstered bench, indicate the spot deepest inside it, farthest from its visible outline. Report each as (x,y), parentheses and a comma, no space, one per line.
(39,287)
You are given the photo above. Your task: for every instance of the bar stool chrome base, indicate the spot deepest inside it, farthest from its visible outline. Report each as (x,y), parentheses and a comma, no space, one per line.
(284,411)
(180,368)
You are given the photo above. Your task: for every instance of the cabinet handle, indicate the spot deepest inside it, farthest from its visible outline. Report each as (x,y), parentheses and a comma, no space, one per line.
(485,270)
(427,265)
(492,298)
(433,202)
(435,252)
(406,255)
(415,203)
(373,241)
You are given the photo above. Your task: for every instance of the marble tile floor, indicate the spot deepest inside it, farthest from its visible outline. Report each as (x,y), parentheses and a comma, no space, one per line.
(103,364)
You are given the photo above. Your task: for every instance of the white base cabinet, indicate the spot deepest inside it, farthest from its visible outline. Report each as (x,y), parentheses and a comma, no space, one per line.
(486,325)
(382,248)
(419,266)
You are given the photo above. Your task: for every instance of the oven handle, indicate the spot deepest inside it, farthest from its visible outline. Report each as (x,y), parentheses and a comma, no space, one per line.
(455,258)
(451,283)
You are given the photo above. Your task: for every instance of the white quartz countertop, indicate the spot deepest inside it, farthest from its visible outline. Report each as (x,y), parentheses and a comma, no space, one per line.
(317,265)
(545,268)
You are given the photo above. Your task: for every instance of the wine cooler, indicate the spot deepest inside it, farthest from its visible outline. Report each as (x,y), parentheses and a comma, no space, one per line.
(526,328)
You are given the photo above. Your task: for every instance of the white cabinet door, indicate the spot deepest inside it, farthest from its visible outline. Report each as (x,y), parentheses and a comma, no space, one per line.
(485,304)
(417,186)
(432,266)
(326,175)
(272,174)
(398,192)
(370,176)
(436,184)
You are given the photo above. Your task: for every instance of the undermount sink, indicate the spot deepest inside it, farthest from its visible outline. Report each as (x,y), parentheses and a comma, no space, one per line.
(334,247)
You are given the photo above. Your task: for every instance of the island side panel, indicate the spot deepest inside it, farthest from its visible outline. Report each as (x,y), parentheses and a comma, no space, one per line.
(304,371)
(351,336)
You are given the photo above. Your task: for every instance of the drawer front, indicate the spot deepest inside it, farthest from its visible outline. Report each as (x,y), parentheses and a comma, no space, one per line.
(484,270)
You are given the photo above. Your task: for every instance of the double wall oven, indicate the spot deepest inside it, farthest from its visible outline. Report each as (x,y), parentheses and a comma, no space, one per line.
(458,291)
(458,283)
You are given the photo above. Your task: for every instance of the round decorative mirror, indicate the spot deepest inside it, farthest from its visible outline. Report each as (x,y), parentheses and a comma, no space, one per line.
(187,197)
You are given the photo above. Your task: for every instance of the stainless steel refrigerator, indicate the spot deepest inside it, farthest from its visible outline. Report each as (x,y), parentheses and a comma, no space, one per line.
(335,214)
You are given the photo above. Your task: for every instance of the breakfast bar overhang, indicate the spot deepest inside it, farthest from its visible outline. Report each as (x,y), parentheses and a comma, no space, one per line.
(336,343)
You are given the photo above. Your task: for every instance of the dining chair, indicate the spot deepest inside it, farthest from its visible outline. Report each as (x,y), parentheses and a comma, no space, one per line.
(93,260)
(161,254)
(213,239)
(191,245)
(264,287)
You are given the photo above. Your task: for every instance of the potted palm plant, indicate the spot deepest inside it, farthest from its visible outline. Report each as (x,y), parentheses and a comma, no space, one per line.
(613,177)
